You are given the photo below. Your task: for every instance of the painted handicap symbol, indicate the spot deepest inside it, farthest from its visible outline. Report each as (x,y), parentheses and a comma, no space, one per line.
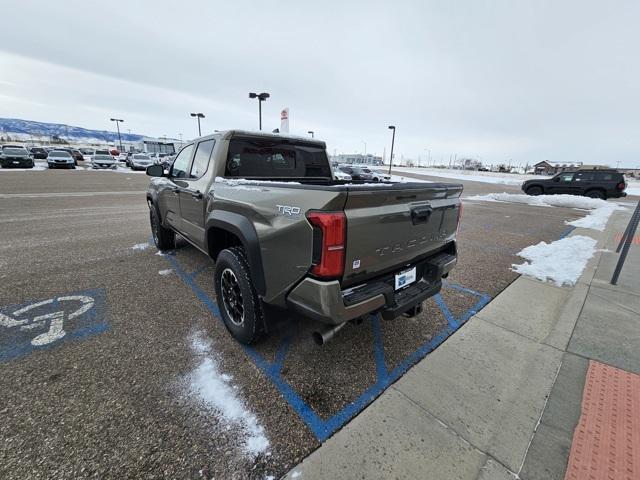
(46,322)
(56,319)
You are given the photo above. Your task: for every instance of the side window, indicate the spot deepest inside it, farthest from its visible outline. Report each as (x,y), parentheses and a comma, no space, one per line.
(566,177)
(180,165)
(201,159)
(583,177)
(604,176)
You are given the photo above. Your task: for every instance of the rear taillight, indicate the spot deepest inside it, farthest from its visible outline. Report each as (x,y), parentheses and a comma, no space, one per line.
(329,243)
(621,186)
(459,218)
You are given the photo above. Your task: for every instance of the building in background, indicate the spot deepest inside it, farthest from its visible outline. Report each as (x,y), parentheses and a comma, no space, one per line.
(551,168)
(357,158)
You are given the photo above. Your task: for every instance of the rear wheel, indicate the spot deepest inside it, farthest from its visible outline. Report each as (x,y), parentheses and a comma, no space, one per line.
(535,190)
(240,306)
(596,194)
(164,238)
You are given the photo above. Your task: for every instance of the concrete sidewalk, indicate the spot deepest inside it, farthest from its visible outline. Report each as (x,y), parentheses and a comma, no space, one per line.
(501,398)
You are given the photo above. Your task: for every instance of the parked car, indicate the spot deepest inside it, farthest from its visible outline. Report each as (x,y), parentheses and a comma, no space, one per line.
(88,153)
(75,154)
(103,161)
(356,172)
(283,232)
(140,161)
(39,153)
(376,175)
(60,159)
(16,157)
(589,182)
(340,175)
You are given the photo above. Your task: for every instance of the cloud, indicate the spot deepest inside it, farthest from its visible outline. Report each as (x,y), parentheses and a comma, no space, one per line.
(500,80)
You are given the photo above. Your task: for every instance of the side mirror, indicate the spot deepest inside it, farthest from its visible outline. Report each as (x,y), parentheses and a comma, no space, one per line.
(155,171)
(556,179)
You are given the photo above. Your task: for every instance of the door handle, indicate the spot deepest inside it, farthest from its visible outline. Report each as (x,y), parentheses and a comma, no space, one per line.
(197,195)
(420,215)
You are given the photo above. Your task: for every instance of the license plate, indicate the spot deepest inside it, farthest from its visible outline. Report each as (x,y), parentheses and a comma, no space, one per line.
(405,278)
(15,162)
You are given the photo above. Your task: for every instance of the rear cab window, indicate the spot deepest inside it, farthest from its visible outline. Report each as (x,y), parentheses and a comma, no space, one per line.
(268,158)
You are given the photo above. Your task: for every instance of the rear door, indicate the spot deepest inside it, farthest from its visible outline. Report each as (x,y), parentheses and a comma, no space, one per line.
(390,226)
(169,192)
(563,183)
(192,197)
(582,181)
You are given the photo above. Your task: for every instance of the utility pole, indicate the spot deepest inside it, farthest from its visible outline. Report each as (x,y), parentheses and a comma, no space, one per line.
(261,98)
(118,121)
(393,139)
(198,116)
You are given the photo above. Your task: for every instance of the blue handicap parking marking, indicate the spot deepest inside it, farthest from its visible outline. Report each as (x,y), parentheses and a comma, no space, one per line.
(40,324)
(324,428)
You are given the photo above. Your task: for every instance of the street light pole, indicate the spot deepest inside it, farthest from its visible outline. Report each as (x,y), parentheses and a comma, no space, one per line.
(393,139)
(118,120)
(261,98)
(198,116)
(310,132)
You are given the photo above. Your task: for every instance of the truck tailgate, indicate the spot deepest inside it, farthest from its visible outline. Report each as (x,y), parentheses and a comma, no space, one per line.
(389,226)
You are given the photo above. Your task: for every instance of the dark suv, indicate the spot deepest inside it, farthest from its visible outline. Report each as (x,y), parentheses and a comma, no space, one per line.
(590,183)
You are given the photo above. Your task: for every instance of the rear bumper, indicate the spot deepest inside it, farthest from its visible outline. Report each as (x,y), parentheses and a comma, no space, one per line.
(327,303)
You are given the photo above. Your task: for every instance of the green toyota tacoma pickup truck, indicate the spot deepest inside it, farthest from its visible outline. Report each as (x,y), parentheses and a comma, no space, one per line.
(284,232)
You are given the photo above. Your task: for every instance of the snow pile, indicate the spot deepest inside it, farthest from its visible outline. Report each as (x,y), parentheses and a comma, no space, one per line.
(164,273)
(219,395)
(140,246)
(483,177)
(600,210)
(560,262)
(633,187)
(232,182)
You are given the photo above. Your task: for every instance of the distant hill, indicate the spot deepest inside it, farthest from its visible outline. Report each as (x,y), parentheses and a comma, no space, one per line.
(17,129)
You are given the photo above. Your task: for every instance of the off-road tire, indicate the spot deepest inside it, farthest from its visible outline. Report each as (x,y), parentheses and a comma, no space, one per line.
(251,328)
(596,193)
(164,238)
(535,190)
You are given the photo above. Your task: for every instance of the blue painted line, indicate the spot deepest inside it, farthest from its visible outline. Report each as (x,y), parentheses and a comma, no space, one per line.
(451,321)
(381,365)
(566,232)
(281,354)
(460,288)
(324,428)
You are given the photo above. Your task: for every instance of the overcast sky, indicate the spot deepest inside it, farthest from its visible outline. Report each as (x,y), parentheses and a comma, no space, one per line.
(496,80)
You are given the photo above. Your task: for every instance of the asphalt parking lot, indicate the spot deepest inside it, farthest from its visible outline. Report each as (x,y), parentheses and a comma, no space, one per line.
(113,396)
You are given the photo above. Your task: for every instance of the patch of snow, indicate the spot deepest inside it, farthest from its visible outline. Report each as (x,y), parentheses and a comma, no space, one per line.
(232,182)
(296,474)
(599,210)
(472,175)
(633,187)
(164,273)
(398,178)
(217,393)
(560,262)
(140,246)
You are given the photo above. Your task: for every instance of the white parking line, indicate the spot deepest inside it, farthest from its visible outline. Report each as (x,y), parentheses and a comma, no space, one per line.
(69,194)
